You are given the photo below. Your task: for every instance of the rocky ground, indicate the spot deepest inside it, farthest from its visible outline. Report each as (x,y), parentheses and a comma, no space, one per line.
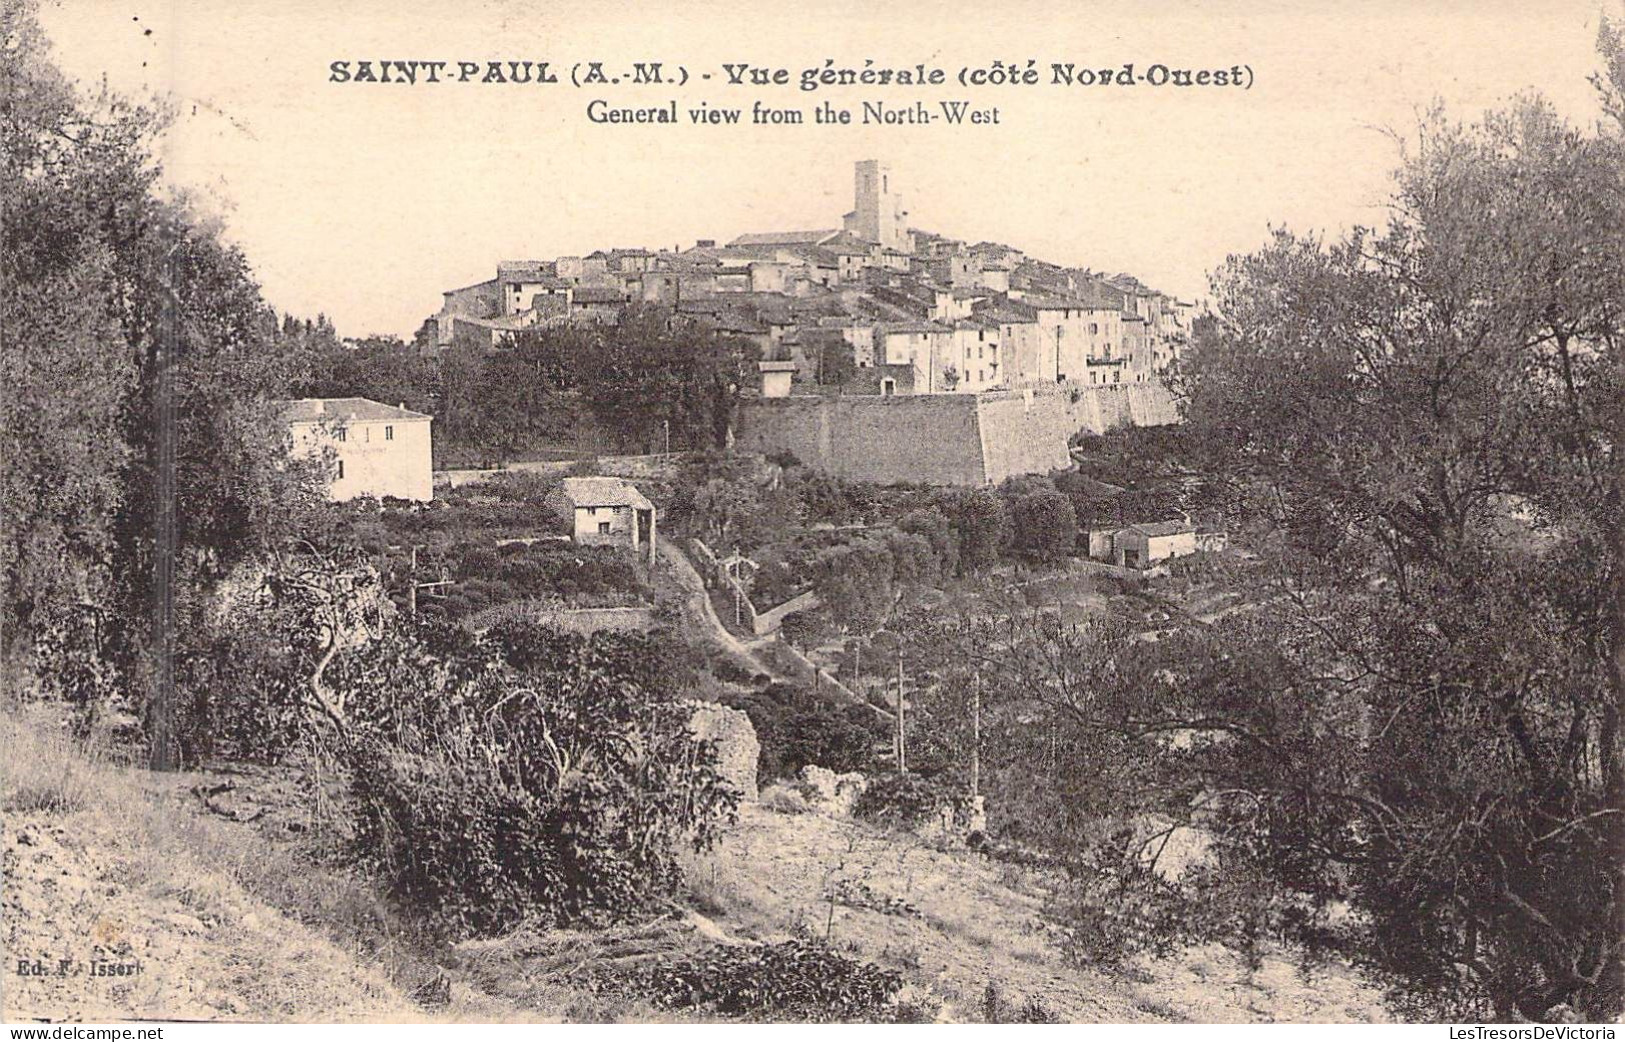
(955,923)
(115,906)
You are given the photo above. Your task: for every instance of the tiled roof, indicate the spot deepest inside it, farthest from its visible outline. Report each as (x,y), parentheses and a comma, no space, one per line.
(1006,314)
(737,322)
(343,410)
(1154,529)
(911,327)
(525,269)
(603,492)
(595,295)
(1046,303)
(847,244)
(549,281)
(782,238)
(1100,295)
(818,255)
(472,285)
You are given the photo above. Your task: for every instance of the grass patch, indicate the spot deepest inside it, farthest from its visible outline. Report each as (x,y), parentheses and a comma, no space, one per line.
(45,771)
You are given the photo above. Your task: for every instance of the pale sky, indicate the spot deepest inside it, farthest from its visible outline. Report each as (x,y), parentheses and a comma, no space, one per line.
(365,201)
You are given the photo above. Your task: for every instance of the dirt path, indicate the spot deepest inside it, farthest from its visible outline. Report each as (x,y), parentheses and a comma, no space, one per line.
(697,607)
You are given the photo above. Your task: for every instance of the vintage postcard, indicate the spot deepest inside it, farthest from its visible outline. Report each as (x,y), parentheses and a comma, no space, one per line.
(911,513)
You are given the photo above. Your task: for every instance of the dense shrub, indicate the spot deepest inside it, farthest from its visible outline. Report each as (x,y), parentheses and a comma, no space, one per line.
(243,693)
(796,727)
(793,980)
(997,1009)
(525,775)
(903,800)
(1044,524)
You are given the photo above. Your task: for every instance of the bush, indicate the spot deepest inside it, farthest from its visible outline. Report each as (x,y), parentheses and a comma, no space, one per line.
(525,775)
(798,980)
(1045,525)
(996,1009)
(784,800)
(903,800)
(797,728)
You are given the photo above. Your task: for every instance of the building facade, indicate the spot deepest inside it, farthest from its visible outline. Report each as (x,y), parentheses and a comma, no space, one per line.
(372,449)
(606,512)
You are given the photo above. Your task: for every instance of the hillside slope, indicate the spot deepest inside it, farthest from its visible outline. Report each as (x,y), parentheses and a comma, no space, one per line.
(99,870)
(229,918)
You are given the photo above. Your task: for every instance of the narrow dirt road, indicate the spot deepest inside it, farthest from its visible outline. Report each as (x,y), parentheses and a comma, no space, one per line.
(697,608)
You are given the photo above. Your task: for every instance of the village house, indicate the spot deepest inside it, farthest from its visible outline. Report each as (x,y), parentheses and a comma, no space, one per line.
(926,346)
(1017,335)
(975,354)
(373,449)
(1143,545)
(524,281)
(776,377)
(606,512)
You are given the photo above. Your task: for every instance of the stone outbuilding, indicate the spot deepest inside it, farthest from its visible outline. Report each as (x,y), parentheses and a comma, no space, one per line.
(606,511)
(1143,545)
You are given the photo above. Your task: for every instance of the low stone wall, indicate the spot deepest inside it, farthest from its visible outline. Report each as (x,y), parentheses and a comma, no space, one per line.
(768,621)
(761,623)
(574,620)
(658,465)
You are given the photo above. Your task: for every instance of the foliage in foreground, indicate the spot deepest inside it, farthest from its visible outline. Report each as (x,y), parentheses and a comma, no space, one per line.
(792,980)
(526,776)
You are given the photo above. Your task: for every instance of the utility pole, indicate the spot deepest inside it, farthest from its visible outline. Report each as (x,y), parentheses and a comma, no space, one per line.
(412,584)
(902,751)
(161,754)
(976,737)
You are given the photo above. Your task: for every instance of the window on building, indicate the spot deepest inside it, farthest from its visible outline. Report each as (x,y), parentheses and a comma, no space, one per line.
(603,528)
(389,433)
(341,434)
(341,470)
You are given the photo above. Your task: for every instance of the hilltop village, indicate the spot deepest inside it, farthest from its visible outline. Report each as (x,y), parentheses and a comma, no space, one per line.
(919,313)
(874,309)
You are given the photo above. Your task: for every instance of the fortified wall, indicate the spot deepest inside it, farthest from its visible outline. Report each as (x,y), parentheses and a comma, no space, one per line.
(944,439)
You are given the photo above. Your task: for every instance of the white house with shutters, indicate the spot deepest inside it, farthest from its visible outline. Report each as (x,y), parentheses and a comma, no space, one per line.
(378,450)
